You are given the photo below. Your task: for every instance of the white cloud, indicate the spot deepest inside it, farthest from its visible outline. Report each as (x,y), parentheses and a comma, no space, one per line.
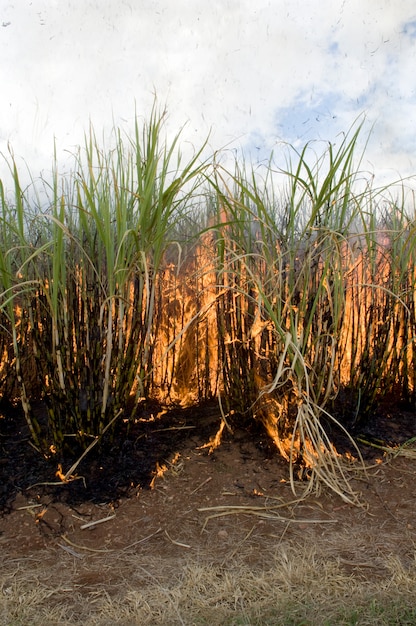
(256,73)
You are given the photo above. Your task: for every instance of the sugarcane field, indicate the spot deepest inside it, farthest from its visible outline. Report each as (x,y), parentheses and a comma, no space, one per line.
(207,388)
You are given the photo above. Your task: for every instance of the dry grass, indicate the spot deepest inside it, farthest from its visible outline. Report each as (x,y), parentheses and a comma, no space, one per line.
(332,582)
(279,563)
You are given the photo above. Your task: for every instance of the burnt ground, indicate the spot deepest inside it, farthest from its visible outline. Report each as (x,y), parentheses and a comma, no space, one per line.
(126,462)
(120,466)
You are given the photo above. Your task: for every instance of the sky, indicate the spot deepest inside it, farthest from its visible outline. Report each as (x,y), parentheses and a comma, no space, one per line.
(253,75)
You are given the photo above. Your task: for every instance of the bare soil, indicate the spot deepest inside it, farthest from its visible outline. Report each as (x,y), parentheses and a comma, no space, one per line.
(144,511)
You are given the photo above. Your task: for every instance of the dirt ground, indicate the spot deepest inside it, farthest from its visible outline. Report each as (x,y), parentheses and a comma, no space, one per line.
(174,510)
